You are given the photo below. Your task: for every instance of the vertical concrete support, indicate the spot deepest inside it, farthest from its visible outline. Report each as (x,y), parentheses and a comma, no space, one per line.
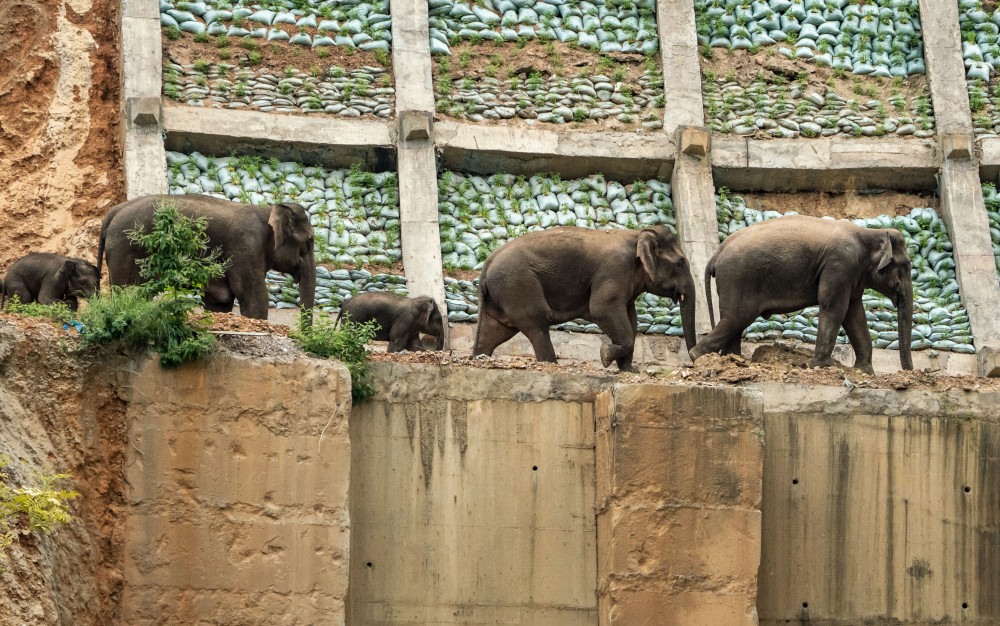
(945,68)
(681,70)
(679,476)
(142,71)
(411,56)
(694,203)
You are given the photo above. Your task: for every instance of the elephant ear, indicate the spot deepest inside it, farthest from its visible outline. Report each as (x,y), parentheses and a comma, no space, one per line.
(426,308)
(646,251)
(280,222)
(883,256)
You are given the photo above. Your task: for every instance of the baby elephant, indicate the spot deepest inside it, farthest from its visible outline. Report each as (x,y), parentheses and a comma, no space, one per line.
(401,319)
(45,278)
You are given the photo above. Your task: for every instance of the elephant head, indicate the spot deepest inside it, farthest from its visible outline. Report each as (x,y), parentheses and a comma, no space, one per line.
(666,272)
(293,248)
(890,274)
(431,322)
(82,279)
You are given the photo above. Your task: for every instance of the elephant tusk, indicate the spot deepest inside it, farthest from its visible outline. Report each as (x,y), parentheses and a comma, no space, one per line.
(682,297)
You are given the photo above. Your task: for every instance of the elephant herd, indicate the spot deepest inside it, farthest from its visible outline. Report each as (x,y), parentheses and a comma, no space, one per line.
(536,280)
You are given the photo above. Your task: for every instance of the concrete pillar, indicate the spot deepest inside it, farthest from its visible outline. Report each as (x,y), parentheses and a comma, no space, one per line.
(694,203)
(681,69)
(417,161)
(142,109)
(960,188)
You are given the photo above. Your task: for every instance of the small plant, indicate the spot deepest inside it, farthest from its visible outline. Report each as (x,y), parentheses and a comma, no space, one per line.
(289,71)
(45,506)
(172,91)
(382,57)
(463,59)
(323,53)
(57,311)
(346,343)
(203,66)
(248,44)
(201,37)
(580,115)
(222,41)
(173,33)
(254,58)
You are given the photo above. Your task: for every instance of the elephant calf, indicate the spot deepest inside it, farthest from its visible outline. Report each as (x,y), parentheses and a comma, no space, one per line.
(559,274)
(46,278)
(400,319)
(789,263)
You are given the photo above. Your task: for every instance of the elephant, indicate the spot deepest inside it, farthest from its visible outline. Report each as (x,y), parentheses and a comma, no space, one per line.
(400,319)
(555,275)
(253,238)
(46,278)
(789,263)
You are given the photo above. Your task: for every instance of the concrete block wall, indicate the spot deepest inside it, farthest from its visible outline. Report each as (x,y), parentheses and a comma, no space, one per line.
(683,152)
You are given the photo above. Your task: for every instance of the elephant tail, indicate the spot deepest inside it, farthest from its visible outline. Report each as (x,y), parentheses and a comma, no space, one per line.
(709,273)
(100,247)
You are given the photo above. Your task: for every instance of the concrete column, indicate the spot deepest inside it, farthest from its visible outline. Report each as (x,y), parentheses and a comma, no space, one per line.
(681,69)
(417,161)
(142,109)
(694,203)
(960,187)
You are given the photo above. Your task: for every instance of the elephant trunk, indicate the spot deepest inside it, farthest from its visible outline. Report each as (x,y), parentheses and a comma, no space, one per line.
(307,287)
(688,298)
(905,314)
(439,342)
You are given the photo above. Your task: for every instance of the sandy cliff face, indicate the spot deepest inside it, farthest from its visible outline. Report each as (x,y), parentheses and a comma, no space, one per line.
(60,156)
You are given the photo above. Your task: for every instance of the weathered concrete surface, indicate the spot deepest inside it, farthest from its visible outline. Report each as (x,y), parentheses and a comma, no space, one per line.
(964,212)
(573,154)
(786,165)
(945,68)
(142,70)
(238,507)
(879,507)
(679,498)
(989,159)
(474,496)
(411,56)
(681,68)
(300,138)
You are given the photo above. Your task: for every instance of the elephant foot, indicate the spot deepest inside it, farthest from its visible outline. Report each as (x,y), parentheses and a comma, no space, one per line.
(606,354)
(628,367)
(866,368)
(823,362)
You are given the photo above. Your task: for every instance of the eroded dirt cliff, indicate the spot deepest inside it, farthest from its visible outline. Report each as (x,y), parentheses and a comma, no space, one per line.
(60,155)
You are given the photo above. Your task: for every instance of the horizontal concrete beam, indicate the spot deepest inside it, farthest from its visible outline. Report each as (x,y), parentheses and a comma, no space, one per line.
(489,149)
(824,164)
(326,141)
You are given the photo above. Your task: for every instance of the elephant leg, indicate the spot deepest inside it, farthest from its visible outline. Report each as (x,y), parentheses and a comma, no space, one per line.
(726,336)
(251,292)
(620,330)
(17,287)
(490,334)
(400,338)
(832,311)
(541,342)
(414,344)
(734,345)
(857,333)
(218,298)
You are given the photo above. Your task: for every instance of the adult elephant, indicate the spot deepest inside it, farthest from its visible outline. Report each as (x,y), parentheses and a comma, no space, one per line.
(556,275)
(254,238)
(789,263)
(46,278)
(400,319)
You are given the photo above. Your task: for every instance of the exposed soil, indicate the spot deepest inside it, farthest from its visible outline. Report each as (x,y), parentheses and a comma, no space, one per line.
(60,152)
(548,59)
(396,268)
(457,274)
(850,205)
(275,56)
(774,364)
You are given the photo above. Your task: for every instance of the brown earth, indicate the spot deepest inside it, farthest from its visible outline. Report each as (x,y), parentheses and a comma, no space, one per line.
(850,205)
(275,56)
(60,149)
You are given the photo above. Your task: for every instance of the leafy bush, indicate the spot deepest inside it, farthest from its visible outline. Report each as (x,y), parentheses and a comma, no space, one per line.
(346,344)
(45,507)
(57,311)
(157,314)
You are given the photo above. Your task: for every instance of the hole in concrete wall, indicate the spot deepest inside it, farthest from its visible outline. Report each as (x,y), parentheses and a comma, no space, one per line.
(967,489)
(805,605)
(965,605)
(369,564)
(795,481)
(534,468)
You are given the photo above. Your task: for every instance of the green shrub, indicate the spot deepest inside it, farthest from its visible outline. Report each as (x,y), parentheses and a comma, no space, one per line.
(45,507)
(346,344)
(56,311)
(156,314)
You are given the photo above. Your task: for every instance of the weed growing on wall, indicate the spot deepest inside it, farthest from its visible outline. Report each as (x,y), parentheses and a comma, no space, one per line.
(156,314)
(45,507)
(57,311)
(345,343)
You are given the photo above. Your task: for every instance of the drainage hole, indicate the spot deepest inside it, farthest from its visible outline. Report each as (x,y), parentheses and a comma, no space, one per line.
(968,489)
(369,563)
(795,481)
(534,468)
(965,605)
(805,605)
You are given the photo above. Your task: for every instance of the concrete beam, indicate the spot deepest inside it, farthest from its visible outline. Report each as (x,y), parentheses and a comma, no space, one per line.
(964,212)
(989,159)
(785,165)
(142,65)
(487,149)
(697,224)
(681,68)
(325,141)
(945,68)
